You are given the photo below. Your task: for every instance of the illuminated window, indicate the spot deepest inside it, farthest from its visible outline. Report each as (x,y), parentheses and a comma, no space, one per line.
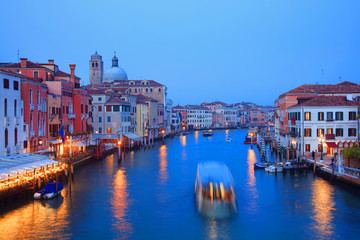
(307,116)
(109,130)
(339,132)
(329,131)
(320,132)
(352,115)
(307,132)
(321,116)
(307,147)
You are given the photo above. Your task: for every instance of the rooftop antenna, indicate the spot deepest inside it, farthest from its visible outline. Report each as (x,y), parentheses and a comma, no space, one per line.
(322,76)
(18,55)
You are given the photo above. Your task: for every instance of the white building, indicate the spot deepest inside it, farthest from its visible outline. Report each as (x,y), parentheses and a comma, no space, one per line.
(13,131)
(325,120)
(198,116)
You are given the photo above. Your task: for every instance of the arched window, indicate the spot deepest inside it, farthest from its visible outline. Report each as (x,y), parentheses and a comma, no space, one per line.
(6,138)
(146,90)
(93,64)
(30,96)
(15,136)
(15,108)
(96,64)
(5,107)
(159,89)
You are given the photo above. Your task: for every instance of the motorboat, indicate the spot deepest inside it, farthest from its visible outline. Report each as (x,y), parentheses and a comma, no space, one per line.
(251,137)
(207,133)
(228,139)
(49,191)
(288,166)
(273,169)
(260,165)
(214,190)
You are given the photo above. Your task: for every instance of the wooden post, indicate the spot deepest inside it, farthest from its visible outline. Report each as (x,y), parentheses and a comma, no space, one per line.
(56,179)
(314,165)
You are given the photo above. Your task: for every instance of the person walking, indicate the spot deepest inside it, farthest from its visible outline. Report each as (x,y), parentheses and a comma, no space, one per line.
(313,155)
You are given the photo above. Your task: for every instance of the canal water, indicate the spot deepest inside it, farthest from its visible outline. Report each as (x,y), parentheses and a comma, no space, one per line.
(150,195)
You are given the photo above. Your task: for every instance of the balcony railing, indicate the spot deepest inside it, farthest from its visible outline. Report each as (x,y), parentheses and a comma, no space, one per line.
(16,120)
(32,107)
(32,133)
(7,151)
(71,115)
(17,149)
(6,121)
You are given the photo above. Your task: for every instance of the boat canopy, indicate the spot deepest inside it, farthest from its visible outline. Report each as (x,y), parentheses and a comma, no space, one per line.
(51,187)
(215,172)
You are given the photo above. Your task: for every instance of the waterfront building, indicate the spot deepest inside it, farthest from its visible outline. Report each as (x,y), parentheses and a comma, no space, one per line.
(132,100)
(225,116)
(182,115)
(151,125)
(75,100)
(322,122)
(96,69)
(198,117)
(142,109)
(257,118)
(54,111)
(13,134)
(290,98)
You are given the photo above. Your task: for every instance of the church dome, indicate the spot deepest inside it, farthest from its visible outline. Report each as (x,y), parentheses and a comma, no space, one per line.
(115,72)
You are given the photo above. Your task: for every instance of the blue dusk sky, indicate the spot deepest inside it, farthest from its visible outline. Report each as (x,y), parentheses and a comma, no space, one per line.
(202,50)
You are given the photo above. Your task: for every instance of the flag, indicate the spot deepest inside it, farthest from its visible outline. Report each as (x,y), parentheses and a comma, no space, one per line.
(62,132)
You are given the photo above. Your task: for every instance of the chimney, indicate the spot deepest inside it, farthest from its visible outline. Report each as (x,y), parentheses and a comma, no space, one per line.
(51,61)
(72,68)
(23,62)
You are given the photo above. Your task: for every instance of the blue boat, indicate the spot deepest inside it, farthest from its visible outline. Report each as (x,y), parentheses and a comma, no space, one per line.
(49,191)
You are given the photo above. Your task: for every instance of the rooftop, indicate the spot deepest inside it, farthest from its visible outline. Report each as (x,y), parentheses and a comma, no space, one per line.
(326,101)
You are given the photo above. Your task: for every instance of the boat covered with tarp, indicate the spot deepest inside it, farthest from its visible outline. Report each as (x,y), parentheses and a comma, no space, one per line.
(49,191)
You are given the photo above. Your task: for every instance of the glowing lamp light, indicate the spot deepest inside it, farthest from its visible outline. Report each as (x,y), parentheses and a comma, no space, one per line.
(163,131)
(40,142)
(119,142)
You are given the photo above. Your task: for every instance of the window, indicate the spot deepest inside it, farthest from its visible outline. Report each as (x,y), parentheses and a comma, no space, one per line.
(99,99)
(16,85)
(100,119)
(352,132)
(6,137)
(93,66)
(108,108)
(100,108)
(100,130)
(307,116)
(319,148)
(36,74)
(6,83)
(5,107)
(352,115)
(321,116)
(38,97)
(109,119)
(307,132)
(96,64)
(329,116)
(151,90)
(109,130)
(15,108)
(82,108)
(116,108)
(329,131)
(307,147)
(159,89)
(339,116)
(339,132)
(15,136)
(25,144)
(146,90)
(320,132)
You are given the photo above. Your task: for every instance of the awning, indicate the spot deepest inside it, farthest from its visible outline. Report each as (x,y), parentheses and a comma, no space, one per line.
(331,144)
(132,136)
(55,141)
(79,144)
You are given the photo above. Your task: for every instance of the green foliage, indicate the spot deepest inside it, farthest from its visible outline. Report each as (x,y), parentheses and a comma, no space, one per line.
(353,152)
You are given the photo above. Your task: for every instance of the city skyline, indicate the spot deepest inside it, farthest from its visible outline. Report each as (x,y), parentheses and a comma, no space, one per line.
(203,52)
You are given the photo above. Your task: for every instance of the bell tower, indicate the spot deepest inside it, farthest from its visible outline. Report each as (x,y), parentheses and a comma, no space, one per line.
(96,67)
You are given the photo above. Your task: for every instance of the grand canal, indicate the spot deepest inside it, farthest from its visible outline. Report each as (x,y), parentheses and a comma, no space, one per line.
(150,195)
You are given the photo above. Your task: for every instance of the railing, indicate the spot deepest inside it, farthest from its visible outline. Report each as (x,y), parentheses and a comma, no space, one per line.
(7,151)
(41,133)
(17,149)
(32,133)
(17,120)
(40,108)
(32,107)
(352,172)
(71,115)
(6,121)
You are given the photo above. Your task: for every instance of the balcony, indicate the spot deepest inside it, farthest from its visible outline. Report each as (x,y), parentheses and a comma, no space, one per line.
(32,107)
(16,120)
(71,115)
(6,121)
(41,133)
(329,136)
(7,151)
(329,120)
(40,108)
(52,116)
(32,133)
(17,149)
(83,116)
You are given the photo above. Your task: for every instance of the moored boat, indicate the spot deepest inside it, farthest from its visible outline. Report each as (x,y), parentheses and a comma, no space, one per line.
(260,165)
(273,169)
(207,133)
(288,166)
(228,139)
(251,137)
(49,191)
(214,190)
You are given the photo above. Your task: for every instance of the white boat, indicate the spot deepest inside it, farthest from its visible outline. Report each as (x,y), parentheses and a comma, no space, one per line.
(273,169)
(288,166)
(228,139)
(49,191)
(214,190)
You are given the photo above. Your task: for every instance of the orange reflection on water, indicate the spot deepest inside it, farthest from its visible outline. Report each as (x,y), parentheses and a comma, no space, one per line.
(163,164)
(251,173)
(323,203)
(34,220)
(119,202)
(183,141)
(196,137)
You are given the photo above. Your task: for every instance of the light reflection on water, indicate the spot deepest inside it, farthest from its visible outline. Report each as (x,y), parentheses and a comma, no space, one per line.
(323,207)
(163,174)
(183,140)
(120,202)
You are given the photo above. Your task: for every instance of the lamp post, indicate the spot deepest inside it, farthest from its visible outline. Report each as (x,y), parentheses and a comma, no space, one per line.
(251,135)
(321,141)
(293,145)
(163,134)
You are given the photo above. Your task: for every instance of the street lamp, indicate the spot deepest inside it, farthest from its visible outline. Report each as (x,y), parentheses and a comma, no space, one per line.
(119,149)
(321,141)
(163,134)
